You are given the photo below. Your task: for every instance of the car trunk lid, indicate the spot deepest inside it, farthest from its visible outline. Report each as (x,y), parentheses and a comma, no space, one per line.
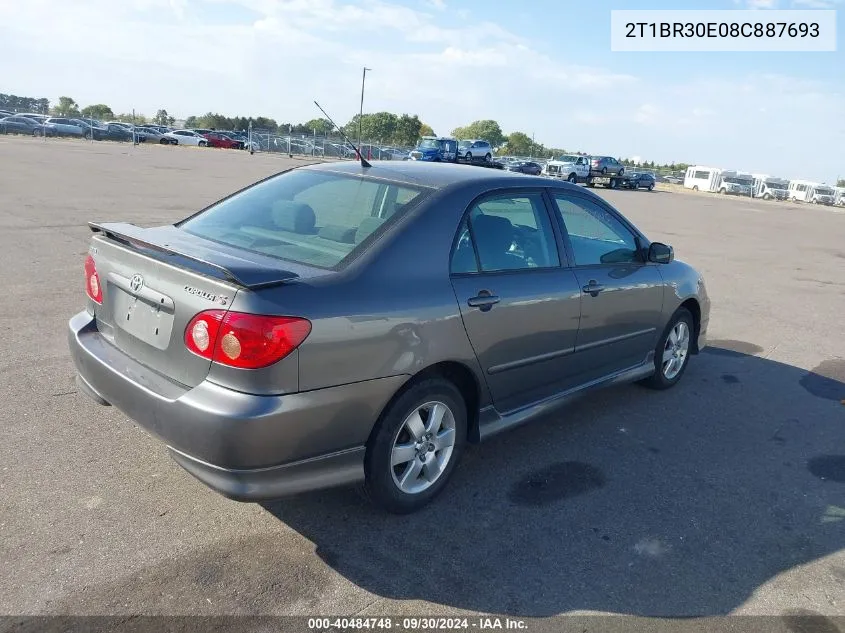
(155,280)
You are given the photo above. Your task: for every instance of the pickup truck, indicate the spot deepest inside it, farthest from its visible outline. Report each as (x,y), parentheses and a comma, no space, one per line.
(579,169)
(571,167)
(438,149)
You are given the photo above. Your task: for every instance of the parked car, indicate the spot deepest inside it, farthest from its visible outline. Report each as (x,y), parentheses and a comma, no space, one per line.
(98,129)
(641,180)
(605,165)
(524,167)
(119,132)
(123,124)
(220,139)
(473,150)
(335,324)
(69,127)
(25,125)
(152,135)
(186,137)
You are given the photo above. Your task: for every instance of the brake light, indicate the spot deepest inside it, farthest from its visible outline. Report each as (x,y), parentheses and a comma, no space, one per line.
(93,288)
(246,341)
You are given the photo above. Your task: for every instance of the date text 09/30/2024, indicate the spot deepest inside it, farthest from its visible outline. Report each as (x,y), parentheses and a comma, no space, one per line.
(418,623)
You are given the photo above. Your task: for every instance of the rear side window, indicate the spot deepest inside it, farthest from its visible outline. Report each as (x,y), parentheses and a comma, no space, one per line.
(506,232)
(314,218)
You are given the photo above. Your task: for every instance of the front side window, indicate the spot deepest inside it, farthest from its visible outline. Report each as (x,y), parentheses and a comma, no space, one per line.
(506,232)
(305,216)
(596,235)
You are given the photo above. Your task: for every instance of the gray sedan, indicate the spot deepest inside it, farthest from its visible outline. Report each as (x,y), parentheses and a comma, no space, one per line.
(341,323)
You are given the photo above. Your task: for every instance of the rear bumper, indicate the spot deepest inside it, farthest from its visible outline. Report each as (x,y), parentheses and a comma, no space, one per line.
(246,447)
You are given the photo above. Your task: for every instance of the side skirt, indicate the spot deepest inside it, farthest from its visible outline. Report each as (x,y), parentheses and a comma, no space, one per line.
(491,422)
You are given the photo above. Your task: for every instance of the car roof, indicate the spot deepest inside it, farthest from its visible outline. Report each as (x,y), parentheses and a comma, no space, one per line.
(435,175)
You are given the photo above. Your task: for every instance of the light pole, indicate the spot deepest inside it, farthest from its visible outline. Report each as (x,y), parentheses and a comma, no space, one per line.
(361,113)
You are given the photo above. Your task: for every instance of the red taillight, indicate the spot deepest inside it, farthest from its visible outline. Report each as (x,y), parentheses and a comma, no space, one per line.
(247,341)
(93,288)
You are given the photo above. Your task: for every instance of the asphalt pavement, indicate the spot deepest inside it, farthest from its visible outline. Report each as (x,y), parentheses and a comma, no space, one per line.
(723,495)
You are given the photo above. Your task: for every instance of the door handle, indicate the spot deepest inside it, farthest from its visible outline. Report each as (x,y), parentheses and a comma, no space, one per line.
(483,301)
(593,288)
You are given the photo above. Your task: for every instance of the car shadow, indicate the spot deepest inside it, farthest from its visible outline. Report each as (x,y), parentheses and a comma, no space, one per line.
(675,503)
(678,503)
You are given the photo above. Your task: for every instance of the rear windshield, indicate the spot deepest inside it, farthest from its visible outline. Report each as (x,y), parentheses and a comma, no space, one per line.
(310,217)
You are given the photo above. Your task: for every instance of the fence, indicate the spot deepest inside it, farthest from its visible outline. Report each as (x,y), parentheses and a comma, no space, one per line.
(322,146)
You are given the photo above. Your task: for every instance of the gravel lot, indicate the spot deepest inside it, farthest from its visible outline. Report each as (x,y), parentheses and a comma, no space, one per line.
(724,495)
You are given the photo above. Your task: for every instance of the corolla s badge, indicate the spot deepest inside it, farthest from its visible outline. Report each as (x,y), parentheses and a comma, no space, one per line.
(136,283)
(221,299)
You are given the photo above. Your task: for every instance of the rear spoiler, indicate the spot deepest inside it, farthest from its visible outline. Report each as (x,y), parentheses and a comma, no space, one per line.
(174,243)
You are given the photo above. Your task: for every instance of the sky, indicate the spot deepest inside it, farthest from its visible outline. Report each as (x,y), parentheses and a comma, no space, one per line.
(543,67)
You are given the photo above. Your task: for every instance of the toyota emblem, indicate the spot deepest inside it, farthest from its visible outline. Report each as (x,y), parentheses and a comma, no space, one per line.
(136,283)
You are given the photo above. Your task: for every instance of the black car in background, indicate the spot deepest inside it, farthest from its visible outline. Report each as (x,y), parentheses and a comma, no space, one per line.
(25,125)
(641,180)
(524,167)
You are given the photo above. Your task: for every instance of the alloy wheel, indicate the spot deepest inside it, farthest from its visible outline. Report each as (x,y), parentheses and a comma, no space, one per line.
(423,447)
(676,350)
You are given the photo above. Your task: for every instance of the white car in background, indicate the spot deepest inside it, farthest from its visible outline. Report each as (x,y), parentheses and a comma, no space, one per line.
(186,137)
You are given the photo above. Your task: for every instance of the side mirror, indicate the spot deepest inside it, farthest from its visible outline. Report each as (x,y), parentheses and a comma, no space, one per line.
(660,253)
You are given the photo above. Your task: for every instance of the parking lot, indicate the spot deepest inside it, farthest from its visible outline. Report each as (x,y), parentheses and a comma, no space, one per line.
(723,495)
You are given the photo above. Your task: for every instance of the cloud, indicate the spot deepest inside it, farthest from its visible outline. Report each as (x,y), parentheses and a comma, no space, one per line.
(816,4)
(757,4)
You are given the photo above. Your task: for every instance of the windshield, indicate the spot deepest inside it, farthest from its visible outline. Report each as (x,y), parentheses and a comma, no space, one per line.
(824,191)
(309,217)
(773,184)
(464,143)
(568,159)
(735,180)
(429,143)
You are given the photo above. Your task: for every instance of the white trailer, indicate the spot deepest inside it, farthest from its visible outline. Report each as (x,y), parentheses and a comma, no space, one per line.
(769,187)
(701,178)
(840,196)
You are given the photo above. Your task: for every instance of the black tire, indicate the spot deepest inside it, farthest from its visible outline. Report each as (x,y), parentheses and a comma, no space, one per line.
(621,171)
(379,485)
(572,178)
(87,136)
(37,132)
(722,191)
(658,380)
(651,187)
(468,157)
(695,187)
(488,158)
(164,141)
(604,171)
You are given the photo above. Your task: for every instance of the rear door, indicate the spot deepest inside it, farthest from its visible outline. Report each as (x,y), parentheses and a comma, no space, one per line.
(147,305)
(622,295)
(520,305)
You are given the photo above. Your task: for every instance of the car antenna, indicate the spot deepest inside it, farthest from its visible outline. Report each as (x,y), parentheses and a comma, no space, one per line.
(364,163)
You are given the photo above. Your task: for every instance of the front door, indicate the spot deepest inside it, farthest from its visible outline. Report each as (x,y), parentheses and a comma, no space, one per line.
(622,294)
(519,305)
